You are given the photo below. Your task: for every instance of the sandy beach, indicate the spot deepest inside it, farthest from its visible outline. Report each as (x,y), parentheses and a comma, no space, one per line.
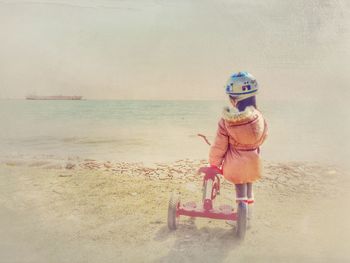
(92,211)
(89,180)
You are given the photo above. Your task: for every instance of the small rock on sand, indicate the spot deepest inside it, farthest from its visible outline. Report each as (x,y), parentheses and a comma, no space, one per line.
(70,166)
(156,222)
(107,165)
(65,175)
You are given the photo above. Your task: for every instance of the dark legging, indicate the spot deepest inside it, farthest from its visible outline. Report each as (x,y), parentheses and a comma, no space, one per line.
(244,191)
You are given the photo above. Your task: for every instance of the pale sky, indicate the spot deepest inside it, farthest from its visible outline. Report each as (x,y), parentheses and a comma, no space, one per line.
(183,49)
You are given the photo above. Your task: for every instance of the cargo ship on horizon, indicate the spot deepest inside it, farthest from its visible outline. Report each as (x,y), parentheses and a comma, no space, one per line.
(58,97)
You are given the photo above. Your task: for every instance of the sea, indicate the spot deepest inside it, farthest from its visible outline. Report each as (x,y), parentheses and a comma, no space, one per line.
(162,131)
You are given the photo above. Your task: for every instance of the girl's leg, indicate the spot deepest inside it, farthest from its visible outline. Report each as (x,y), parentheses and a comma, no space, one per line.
(250,194)
(241,196)
(250,200)
(241,192)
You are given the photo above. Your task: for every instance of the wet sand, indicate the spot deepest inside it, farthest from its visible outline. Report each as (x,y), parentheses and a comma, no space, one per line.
(93,211)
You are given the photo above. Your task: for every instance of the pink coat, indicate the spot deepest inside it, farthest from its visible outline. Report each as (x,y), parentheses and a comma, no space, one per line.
(236,146)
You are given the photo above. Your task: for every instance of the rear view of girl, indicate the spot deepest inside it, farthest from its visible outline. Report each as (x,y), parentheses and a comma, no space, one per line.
(241,131)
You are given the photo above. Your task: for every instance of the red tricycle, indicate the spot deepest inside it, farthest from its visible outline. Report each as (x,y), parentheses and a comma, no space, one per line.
(211,188)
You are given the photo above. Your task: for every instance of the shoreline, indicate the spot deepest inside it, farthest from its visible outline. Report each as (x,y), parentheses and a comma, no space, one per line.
(78,163)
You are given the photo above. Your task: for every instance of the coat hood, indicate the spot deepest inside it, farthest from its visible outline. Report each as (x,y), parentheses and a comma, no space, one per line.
(235,117)
(247,129)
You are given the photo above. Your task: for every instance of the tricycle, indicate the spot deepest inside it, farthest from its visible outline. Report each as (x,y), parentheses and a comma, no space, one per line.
(211,188)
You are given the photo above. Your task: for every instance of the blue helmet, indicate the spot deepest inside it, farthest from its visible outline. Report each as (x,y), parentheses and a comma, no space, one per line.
(241,85)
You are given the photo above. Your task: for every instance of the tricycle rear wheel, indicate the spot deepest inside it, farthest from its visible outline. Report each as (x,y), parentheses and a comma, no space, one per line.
(242,212)
(174,203)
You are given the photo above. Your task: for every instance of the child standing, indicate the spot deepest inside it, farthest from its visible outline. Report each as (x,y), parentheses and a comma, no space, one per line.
(242,129)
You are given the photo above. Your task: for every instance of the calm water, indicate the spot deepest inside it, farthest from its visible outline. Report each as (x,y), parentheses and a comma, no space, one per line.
(159,130)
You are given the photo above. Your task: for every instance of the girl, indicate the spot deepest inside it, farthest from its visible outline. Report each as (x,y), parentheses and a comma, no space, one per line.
(242,129)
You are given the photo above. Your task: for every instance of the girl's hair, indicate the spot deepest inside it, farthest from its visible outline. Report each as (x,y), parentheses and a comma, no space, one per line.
(251,101)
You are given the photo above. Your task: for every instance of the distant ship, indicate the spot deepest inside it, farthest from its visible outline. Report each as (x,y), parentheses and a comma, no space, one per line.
(59,97)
